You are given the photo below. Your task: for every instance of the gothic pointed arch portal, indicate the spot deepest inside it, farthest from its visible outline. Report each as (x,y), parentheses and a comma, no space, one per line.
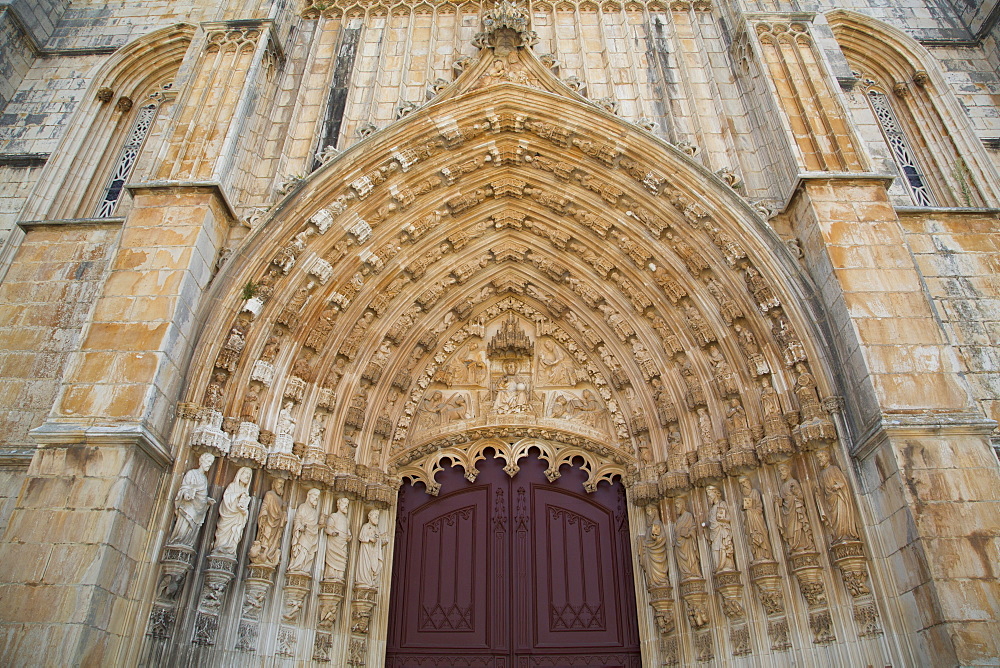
(512,267)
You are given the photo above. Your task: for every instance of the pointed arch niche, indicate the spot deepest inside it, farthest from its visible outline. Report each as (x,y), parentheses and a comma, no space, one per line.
(916,113)
(510,268)
(127,101)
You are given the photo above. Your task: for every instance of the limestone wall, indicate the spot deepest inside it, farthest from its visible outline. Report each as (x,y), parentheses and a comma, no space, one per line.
(958,256)
(45,300)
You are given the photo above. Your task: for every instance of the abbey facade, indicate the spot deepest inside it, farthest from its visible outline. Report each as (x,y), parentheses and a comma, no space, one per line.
(621,333)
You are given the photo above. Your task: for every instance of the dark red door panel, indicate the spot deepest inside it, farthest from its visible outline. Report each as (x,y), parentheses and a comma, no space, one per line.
(511,573)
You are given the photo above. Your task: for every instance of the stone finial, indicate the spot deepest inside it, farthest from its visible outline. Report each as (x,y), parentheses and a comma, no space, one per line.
(505,26)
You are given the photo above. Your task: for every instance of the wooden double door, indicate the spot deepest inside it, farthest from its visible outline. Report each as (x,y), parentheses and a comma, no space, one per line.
(512,572)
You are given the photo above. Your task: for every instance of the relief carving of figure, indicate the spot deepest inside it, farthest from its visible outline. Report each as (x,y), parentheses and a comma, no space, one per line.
(588,409)
(512,397)
(476,364)
(753,512)
(429,412)
(233,514)
(266,549)
(191,503)
(720,531)
(305,534)
(686,541)
(653,550)
(794,522)
(456,407)
(338,537)
(370,557)
(554,368)
(835,500)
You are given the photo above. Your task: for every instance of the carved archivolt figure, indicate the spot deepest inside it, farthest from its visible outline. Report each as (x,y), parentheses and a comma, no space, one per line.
(736,417)
(338,536)
(753,511)
(305,534)
(251,404)
(266,549)
(720,531)
(838,511)
(316,430)
(769,398)
(686,541)
(191,503)
(233,514)
(370,558)
(653,550)
(794,524)
(215,393)
(286,422)
(705,427)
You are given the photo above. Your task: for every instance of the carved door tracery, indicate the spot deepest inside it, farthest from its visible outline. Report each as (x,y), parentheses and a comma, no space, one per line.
(506,572)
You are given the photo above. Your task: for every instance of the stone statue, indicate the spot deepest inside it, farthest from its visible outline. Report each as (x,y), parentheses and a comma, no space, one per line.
(686,541)
(338,536)
(753,512)
(705,426)
(837,511)
(305,534)
(233,514)
(191,503)
(769,398)
(653,550)
(720,531)
(794,524)
(736,417)
(370,557)
(286,421)
(266,549)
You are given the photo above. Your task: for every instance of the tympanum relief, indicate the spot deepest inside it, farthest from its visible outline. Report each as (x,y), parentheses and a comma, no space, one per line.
(509,373)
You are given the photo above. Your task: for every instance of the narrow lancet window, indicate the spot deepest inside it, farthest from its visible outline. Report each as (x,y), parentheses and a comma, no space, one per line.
(126,161)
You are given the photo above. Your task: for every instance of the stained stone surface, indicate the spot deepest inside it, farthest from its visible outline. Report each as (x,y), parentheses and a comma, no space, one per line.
(347,245)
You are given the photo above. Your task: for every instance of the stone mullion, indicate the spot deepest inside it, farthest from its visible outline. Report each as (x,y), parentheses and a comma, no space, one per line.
(251,107)
(680,21)
(633,21)
(357,110)
(707,25)
(306,118)
(715,140)
(595,61)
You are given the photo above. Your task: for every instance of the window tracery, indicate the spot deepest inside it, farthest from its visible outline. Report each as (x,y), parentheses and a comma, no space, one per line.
(895,136)
(127,159)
